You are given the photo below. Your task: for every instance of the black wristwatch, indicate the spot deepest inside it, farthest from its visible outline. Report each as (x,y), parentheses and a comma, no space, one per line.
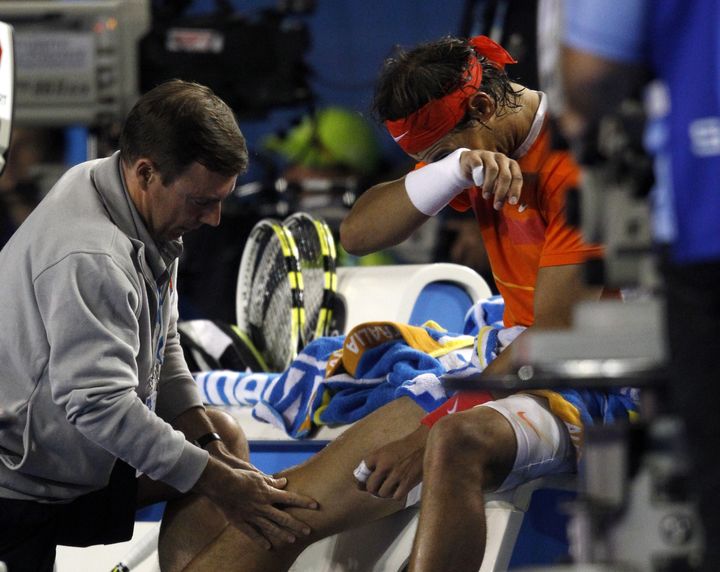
(204,440)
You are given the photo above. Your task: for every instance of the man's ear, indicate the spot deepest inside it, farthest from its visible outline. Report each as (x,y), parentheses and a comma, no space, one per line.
(481,106)
(144,171)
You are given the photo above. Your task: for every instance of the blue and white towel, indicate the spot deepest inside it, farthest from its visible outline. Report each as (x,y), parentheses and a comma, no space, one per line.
(394,360)
(227,387)
(338,380)
(318,389)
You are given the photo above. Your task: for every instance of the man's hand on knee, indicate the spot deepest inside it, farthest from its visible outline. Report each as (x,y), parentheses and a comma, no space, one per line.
(394,469)
(222,453)
(249,499)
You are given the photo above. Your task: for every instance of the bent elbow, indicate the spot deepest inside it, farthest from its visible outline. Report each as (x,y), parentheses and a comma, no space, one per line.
(351,237)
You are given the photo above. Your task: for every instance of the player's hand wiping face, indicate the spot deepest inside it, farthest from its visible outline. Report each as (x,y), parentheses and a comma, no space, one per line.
(498,175)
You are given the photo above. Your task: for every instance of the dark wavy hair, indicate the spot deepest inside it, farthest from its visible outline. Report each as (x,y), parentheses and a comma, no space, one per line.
(178,123)
(410,79)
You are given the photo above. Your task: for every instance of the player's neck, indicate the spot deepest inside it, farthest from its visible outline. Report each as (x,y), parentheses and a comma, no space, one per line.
(512,126)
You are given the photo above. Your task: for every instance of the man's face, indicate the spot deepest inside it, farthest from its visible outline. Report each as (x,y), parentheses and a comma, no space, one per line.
(447,144)
(191,200)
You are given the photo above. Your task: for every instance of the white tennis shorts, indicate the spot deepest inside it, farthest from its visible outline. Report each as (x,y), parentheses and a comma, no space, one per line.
(543,441)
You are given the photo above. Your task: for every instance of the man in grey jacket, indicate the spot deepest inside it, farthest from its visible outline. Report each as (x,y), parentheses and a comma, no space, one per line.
(91,369)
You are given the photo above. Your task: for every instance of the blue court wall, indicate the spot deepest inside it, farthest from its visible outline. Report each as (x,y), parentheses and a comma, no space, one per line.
(350,41)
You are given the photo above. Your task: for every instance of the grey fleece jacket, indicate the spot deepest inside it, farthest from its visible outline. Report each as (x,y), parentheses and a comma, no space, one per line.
(80,328)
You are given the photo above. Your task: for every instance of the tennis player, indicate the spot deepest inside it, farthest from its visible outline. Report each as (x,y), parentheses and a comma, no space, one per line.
(91,367)
(482,142)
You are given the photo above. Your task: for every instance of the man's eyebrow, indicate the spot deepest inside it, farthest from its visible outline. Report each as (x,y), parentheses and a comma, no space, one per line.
(195,197)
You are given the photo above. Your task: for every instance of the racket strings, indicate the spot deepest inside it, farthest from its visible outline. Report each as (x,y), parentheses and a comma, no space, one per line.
(274,299)
(311,261)
(286,286)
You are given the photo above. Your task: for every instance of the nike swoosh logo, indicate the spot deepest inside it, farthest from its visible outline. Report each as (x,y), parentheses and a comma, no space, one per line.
(453,409)
(396,139)
(522,207)
(522,415)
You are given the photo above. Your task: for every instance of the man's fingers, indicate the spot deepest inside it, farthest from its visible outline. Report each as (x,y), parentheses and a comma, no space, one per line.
(278,483)
(491,170)
(502,184)
(388,488)
(254,535)
(404,487)
(237,463)
(279,496)
(499,177)
(282,518)
(516,184)
(275,533)
(373,483)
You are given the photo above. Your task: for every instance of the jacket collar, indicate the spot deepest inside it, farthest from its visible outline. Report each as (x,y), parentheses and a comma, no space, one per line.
(110,184)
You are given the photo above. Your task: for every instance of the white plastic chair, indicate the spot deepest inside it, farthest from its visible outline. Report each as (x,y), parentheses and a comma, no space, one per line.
(376,293)
(385,545)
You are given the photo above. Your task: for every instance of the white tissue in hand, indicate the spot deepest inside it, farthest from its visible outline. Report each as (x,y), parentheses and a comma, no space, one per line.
(478,175)
(361,473)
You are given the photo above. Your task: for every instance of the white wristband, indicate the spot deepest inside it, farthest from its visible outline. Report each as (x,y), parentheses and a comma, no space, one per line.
(433,186)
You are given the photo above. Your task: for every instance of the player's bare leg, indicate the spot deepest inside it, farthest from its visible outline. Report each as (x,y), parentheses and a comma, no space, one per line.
(179,515)
(467,453)
(326,477)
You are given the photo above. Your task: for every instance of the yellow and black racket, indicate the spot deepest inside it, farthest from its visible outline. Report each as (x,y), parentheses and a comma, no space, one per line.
(329,282)
(317,256)
(270,294)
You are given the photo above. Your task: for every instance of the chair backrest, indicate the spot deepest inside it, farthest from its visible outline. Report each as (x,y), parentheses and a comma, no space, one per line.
(409,293)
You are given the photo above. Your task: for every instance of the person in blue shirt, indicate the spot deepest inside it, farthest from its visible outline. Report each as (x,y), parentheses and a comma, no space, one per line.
(610,49)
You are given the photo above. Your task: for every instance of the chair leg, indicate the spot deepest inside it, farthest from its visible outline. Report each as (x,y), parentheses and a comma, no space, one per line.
(503,525)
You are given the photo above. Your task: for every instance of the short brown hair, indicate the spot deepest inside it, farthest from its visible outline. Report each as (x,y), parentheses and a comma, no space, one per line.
(178,123)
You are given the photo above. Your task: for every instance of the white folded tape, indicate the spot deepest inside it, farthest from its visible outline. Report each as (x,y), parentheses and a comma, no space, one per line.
(361,473)
(478,175)
(413,497)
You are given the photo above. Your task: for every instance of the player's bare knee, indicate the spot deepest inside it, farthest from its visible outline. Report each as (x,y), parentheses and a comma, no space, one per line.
(229,430)
(475,434)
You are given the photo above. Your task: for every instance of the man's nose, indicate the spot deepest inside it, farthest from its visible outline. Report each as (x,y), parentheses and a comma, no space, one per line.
(212,215)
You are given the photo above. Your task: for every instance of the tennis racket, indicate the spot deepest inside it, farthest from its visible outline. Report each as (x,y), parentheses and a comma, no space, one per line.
(270,294)
(317,257)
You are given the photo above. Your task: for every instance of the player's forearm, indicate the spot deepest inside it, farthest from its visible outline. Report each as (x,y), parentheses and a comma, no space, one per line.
(382,217)
(503,363)
(194,423)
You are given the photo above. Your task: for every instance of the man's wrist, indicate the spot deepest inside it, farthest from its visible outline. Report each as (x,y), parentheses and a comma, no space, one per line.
(204,440)
(433,186)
